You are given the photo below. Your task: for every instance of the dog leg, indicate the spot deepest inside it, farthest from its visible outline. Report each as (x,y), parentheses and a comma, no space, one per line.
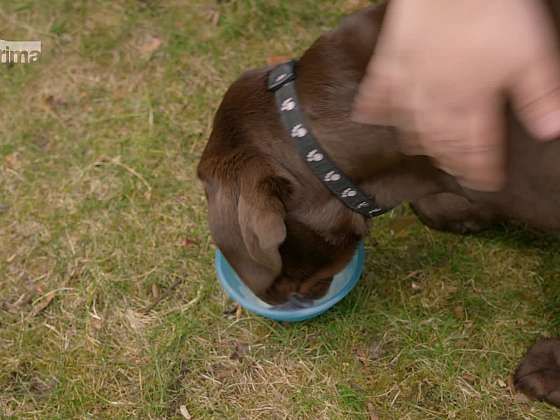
(538,374)
(453,213)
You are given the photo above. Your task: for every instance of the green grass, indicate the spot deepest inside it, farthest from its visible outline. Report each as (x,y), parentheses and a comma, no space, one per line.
(100,212)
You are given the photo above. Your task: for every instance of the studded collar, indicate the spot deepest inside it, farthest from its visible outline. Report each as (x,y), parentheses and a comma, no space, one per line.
(281,82)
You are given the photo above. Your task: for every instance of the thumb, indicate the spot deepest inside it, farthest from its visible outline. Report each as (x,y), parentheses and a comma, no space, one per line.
(374,103)
(477,157)
(536,97)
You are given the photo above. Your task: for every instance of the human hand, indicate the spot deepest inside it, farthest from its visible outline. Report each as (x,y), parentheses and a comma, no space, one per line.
(441,72)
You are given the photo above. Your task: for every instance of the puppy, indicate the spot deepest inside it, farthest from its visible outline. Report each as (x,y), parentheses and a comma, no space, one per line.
(286,234)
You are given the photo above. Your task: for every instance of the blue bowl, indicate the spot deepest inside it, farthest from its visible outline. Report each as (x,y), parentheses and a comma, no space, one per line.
(341,285)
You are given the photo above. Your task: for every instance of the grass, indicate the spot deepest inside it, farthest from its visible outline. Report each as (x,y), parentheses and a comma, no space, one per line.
(109,307)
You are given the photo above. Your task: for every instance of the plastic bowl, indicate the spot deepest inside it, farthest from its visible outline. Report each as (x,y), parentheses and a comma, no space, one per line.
(342,284)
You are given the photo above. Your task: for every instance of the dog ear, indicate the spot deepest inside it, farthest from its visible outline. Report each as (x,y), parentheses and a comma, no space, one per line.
(246,216)
(261,215)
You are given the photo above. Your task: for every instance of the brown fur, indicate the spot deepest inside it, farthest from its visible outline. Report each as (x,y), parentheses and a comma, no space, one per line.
(284,233)
(538,374)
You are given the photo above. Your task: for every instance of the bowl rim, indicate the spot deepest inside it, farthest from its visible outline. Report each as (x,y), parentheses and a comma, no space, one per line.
(297,314)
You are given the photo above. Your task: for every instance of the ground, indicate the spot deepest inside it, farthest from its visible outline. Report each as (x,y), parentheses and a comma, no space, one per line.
(109,306)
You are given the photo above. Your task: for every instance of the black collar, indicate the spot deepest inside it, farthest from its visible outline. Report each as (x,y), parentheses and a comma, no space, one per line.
(281,82)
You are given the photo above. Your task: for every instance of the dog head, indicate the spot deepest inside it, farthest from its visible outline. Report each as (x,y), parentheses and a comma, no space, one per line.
(277,225)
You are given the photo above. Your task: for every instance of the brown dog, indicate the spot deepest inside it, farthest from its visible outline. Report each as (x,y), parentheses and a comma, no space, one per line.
(285,233)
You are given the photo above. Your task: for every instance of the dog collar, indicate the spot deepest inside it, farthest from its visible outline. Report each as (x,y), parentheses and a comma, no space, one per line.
(281,81)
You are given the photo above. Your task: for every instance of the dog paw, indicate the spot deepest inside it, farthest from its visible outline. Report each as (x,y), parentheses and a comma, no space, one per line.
(452,213)
(538,374)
